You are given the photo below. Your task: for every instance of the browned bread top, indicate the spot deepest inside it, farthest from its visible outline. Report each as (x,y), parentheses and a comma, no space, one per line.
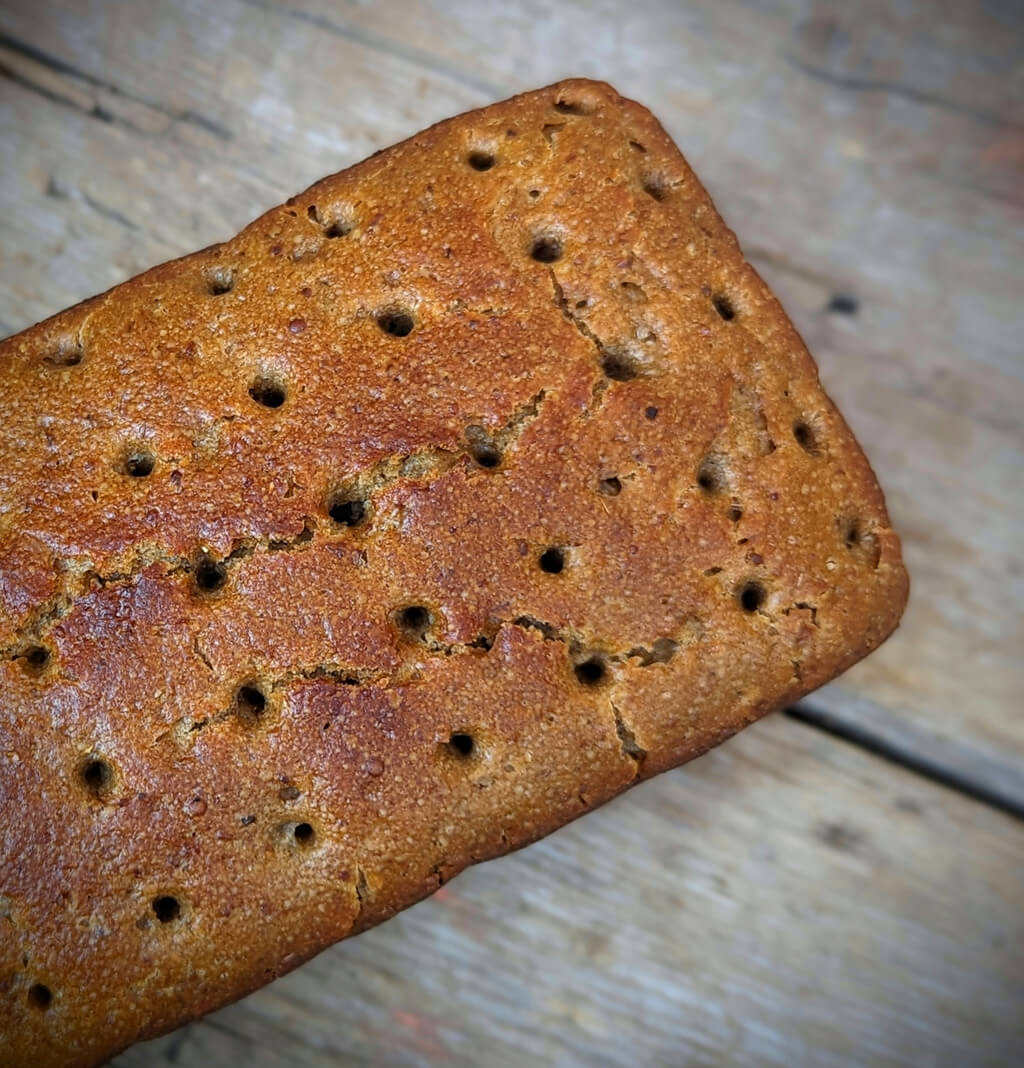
(438,506)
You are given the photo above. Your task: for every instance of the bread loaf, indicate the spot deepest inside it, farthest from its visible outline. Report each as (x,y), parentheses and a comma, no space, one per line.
(443,503)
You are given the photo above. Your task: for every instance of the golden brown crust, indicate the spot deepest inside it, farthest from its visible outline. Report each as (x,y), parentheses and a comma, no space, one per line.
(234,729)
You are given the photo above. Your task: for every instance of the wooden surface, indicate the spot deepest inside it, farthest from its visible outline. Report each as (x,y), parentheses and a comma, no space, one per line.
(791,898)
(784,900)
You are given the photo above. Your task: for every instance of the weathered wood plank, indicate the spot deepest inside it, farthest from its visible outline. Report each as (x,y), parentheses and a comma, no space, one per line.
(874,153)
(785,900)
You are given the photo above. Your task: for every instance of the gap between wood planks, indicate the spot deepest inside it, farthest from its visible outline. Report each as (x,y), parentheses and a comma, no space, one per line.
(862,737)
(96,111)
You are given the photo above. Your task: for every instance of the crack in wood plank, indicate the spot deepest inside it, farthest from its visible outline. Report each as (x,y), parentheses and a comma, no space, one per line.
(861,84)
(97,111)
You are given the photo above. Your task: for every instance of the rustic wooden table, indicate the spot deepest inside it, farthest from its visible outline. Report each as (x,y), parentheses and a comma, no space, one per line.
(844,884)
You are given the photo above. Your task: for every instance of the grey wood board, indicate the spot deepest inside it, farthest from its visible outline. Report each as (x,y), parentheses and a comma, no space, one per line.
(786,899)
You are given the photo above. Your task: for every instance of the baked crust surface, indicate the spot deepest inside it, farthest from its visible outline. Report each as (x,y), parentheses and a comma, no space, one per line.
(440,505)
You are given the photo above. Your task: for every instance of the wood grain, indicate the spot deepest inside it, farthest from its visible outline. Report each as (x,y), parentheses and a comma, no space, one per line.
(785,900)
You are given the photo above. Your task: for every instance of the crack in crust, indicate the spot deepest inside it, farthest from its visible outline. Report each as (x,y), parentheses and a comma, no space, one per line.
(630,747)
(422,465)
(660,651)
(576,643)
(562,303)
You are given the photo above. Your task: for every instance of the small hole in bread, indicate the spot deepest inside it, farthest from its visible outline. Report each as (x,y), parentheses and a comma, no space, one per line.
(610,487)
(592,670)
(633,292)
(619,365)
(851,534)
(220,280)
(656,186)
(347,511)
(303,834)
(68,352)
(40,996)
(481,160)
(805,437)
(166,908)
(751,596)
(546,248)
(250,703)
(486,455)
(482,447)
(139,463)
(724,307)
(396,321)
(861,540)
(663,650)
(97,777)
(210,574)
(267,391)
(36,659)
(552,560)
(736,514)
(337,224)
(413,621)
(461,744)
(711,475)
(574,106)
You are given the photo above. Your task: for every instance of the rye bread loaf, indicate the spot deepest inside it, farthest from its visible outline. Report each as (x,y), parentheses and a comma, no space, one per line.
(437,507)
